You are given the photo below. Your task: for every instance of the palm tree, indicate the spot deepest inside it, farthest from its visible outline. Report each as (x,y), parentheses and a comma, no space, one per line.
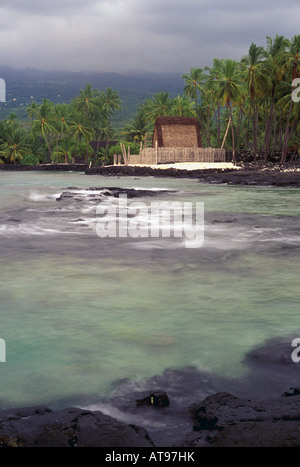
(257,79)
(194,83)
(228,88)
(183,107)
(62,120)
(32,110)
(65,151)
(160,105)
(137,128)
(210,85)
(291,113)
(86,102)
(79,131)
(111,103)
(43,123)
(273,51)
(14,146)
(290,60)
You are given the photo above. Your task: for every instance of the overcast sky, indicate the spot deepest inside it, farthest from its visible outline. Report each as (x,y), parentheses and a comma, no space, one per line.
(147,35)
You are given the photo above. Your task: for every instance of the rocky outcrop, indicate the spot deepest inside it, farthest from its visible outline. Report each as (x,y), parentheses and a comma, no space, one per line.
(71,427)
(155,399)
(248,174)
(260,173)
(98,194)
(221,420)
(226,420)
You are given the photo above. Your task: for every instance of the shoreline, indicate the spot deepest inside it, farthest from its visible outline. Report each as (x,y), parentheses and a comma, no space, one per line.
(248,174)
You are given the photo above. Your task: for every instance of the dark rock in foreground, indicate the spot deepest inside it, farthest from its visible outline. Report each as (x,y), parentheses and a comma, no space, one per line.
(155,399)
(98,194)
(71,427)
(225,420)
(221,420)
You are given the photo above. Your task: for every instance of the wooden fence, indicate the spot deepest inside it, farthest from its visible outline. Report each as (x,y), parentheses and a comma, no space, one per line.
(154,156)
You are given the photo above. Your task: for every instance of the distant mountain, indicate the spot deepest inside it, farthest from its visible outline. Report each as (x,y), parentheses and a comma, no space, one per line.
(28,85)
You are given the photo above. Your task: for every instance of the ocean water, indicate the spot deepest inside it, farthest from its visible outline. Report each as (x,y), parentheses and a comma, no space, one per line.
(90,321)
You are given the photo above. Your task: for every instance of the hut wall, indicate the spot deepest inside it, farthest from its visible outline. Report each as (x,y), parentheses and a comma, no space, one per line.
(179,136)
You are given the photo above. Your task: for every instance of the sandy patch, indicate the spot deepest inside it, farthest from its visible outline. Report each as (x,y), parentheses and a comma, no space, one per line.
(191,165)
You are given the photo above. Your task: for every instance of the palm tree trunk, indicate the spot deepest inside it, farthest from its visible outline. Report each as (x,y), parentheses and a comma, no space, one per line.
(268,130)
(254,130)
(208,126)
(287,134)
(240,120)
(275,131)
(219,125)
(48,146)
(232,132)
(107,139)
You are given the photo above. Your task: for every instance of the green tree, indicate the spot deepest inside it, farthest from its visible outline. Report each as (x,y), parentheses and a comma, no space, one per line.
(273,51)
(43,124)
(290,58)
(194,84)
(183,106)
(257,78)
(160,105)
(14,147)
(62,120)
(211,86)
(111,103)
(228,86)
(87,102)
(290,61)
(32,110)
(79,131)
(137,129)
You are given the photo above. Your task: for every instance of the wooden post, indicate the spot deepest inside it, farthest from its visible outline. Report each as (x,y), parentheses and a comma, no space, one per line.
(128,157)
(124,153)
(225,134)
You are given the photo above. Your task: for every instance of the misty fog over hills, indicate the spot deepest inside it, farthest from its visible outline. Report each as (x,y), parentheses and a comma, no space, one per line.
(30,85)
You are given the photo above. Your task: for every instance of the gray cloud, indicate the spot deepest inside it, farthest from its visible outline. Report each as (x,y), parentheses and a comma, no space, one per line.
(151,35)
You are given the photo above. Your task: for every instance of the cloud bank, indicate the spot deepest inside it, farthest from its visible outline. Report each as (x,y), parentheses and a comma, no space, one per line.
(146,35)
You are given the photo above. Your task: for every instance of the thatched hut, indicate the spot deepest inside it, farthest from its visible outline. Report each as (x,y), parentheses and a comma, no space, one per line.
(176,132)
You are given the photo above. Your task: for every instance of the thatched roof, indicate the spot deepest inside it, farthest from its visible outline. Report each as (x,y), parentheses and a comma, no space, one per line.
(177,132)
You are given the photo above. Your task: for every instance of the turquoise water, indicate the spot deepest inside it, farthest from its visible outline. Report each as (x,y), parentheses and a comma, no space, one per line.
(80,313)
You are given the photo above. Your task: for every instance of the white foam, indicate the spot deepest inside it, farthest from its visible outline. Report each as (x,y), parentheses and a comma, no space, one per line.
(128,418)
(43,196)
(31,229)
